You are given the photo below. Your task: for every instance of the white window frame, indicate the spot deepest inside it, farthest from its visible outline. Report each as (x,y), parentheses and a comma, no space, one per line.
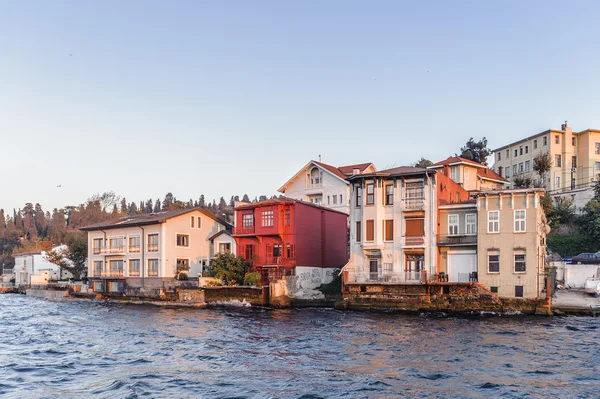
(557,182)
(496,222)
(139,267)
(520,253)
(597,148)
(153,260)
(489,254)
(453,224)
(471,226)
(596,165)
(267,218)
(454,173)
(520,221)
(466,174)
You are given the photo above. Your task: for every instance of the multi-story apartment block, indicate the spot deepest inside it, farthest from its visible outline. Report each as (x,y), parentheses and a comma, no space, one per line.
(511,242)
(575,158)
(146,249)
(469,174)
(285,236)
(394,221)
(324,184)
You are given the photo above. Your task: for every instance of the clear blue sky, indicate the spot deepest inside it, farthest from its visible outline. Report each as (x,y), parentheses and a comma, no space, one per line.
(225,98)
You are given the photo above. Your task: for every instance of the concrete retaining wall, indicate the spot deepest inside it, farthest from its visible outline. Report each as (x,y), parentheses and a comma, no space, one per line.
(54,295)
(252,295)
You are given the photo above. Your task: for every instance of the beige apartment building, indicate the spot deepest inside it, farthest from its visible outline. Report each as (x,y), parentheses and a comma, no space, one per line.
(469,174)
(144,250)
(575,158)
(511,242)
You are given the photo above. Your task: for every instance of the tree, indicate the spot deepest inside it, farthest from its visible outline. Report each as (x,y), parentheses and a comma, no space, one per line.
(590,220)
(229,268)
(123,207)
(168,201)
(262,198)
(157,206)
(41,224)
(73,257)
(423,163)
(201,202)
(232,202)
(597,188)
(149,206)
(222,205)
(476,150)
(132,210)
(542,163)
(245,198)
(142,208)
(522,180)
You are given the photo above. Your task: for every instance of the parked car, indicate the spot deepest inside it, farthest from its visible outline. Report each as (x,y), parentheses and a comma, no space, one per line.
(586,257)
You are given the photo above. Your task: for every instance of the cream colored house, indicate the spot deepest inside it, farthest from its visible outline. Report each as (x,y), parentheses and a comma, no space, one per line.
(575,158)
(469,174)
(393,219)
(146,249)
(324,184)
(222,243)
(511,242)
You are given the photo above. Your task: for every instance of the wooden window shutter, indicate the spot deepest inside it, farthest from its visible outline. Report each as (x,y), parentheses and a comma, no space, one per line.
(389,230)
(358,231)
(269,251)
(415,227)
(370,230)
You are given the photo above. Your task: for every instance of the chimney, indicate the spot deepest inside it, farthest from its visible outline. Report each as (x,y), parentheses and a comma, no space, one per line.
(447,170)
(355,171)
(564,126)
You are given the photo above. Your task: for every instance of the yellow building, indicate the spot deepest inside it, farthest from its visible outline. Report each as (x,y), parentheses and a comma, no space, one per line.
(575,158)
(469,174)
(511,242)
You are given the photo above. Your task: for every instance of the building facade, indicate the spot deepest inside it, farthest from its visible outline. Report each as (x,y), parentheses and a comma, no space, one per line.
(146,249)
(511,242)
(290,237)
(471,175)
(324,184)
(575,158)
(34,268)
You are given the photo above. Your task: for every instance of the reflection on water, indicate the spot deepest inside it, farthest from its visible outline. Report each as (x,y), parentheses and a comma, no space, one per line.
(92,349)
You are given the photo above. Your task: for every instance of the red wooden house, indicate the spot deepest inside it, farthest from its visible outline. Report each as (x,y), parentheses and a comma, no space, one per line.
(290,237)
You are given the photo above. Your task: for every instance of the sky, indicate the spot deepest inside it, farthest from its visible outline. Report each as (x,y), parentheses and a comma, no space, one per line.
(233,97)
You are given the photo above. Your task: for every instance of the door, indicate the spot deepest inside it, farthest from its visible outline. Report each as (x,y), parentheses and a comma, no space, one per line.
(373,269)
(460,265)
(413,267)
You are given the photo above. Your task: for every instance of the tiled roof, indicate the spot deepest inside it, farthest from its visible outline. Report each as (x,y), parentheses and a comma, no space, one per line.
(404,170)
(149,218)
(455,160)
(490,174)
(348,170)
(211,238)
(27,253)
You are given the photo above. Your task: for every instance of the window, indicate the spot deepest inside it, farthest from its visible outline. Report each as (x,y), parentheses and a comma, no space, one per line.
(527,166)
(288,217)
(499,156)
(389,230)
(182,265)
(454,173)
(97,248)
(115,244)
(526,149)
(597,165)
(183,240)
(493,222)
(134,267)
(557,183)
(452,224)
(557,139)
(328,200)
(466,173)
(200,222)
(116,267)
(341,202)
(152,267)
(518,291)
(224,248)
(494,290)
(557,160)
(277,250)
(370,230)
(267,218)
(535,144)
(520,262)
(389,194)
(516,152)
(507,154)
(597,148)
(574,140)
(493,262)
(574,162)
(471,223)
(358,196)
(507,172)
(152,242)
(514,170)
(134,244)
(358,231)
(192,221)
(249,251)
(290,250)
(521,167)
(415,193)
(97,268)
(521,150)
(334,199)
(370,193)
(545,140)
(248,220)
(520,221)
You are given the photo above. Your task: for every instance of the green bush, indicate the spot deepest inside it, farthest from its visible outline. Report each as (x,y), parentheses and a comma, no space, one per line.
(252,278)
(183,276)
(571,245)
(229,269)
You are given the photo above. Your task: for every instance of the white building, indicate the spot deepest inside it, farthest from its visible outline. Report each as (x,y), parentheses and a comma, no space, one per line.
(222,243)
(34,268)
(324,184)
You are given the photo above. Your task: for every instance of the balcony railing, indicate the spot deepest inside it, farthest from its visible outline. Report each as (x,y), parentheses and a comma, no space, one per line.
(396,277)
(112,273)
(457,239)
(152,247)
(120,250)
(417,241)
(134,248)
(413,204)
(152,273)
(240,231)
(275,261)
(314,185)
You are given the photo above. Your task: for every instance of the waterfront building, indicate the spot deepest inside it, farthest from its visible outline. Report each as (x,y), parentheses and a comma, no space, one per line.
(394,223)
(286,236)
(575,161)
(469,174)
(146,249)
(222,243)
(33,267)
(511,242)
(324,184)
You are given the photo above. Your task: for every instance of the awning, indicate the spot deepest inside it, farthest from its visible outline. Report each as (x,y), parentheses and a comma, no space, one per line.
(373,254)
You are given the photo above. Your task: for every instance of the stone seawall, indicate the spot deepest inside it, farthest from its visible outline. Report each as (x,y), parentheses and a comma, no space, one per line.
(252,295)
(54,295)
(449,298)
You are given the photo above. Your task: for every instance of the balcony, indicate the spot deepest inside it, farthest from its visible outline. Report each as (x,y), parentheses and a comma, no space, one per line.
(416,241)
(243,231)
(413,204)
(111,273)
(276,261)
(411,277)
(152,247)
(457,240)
(120,250)
(134,248)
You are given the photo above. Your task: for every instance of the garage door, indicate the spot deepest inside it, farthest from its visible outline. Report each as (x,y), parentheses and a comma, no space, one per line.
(460,265)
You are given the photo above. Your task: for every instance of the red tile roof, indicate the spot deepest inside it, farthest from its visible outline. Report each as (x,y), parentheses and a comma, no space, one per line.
(453,160)
(490,175)
(281,200)
(482,171)
(343,171)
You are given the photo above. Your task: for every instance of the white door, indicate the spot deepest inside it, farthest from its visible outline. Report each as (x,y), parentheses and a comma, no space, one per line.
(460,265)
